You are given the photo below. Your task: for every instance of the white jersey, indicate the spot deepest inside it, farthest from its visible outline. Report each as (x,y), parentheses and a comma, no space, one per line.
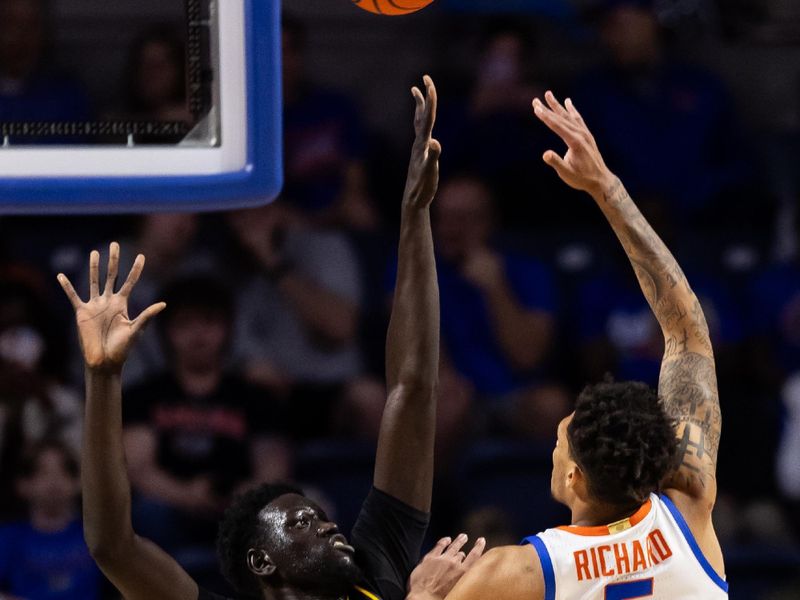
(652,554)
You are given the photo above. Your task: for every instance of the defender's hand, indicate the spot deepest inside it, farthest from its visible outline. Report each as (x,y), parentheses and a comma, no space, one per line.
(442,567)
(423,170)
(582,167)
(106,333)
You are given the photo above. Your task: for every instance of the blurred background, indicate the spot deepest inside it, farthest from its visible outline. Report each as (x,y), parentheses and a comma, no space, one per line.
(268,363)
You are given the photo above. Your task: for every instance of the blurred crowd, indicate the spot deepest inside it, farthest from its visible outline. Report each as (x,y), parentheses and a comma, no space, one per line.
(268,363)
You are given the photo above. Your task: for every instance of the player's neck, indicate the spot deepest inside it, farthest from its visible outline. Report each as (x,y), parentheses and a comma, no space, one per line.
(585,514)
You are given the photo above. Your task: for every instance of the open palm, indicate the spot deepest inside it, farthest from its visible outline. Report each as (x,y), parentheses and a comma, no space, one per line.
(105,330)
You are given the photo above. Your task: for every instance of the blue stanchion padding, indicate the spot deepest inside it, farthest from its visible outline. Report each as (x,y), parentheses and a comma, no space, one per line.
(257,183)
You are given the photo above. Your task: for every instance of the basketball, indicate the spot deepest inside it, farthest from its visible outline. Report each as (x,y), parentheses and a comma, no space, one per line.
(392,7)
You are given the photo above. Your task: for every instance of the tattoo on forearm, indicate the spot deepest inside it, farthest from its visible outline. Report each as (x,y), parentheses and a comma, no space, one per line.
(688,389)
(688,383)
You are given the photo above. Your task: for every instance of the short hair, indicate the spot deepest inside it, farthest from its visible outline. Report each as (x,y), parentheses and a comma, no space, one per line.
(623,440)
(239,531)
(29,463)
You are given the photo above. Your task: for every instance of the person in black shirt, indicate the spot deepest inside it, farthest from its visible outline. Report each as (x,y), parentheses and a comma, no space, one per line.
(197,433)
(274,542)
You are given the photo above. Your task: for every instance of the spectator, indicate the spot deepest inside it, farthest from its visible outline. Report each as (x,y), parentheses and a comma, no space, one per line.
(45,556)
(655,117)
(154,83)
(492,134)
(156,77)
(197,433)
(31,89)
(775,308)
(298,309)
(171,243)
(34,401)
(498,307)
(323,145)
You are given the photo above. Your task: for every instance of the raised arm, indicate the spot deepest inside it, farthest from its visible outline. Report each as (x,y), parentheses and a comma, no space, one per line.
(404,463)
(688,383)
(139,569)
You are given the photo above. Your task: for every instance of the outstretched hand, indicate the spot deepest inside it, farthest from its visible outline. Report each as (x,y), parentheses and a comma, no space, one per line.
(582,167)
(423,171)
(105,330)
(443,567)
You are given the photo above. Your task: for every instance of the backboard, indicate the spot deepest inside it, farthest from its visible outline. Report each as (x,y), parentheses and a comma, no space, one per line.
(223,149)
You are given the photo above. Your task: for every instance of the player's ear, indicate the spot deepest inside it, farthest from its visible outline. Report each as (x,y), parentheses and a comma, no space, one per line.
(259,563)
(577,481)
(574,476)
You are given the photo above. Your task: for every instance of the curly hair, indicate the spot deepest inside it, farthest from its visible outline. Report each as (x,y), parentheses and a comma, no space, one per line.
(623,440)
(239,531)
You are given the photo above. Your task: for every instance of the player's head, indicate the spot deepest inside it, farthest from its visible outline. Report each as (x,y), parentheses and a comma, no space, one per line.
(464,217)
(615,449)
(197,326)
(274,537)
(48,478)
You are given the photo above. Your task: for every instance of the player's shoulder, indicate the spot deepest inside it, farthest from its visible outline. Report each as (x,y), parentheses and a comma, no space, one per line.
(505,573)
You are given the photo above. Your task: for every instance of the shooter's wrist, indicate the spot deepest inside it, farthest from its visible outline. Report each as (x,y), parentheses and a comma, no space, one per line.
(606,187)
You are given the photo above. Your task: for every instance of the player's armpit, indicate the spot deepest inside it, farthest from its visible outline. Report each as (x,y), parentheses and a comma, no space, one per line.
(688,389)
(505,573)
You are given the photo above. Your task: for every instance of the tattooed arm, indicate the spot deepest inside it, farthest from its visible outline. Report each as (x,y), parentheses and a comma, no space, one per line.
(688,384)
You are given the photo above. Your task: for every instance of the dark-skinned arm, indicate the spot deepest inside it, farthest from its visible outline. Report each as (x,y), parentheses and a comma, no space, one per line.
(404,462)
(136,566)
(688,383)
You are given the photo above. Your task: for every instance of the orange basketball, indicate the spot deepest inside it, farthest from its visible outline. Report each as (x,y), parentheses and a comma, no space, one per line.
(392,7)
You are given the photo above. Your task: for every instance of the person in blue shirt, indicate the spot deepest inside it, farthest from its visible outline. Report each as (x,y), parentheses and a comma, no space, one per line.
(668,127)
(45,557)
(498,310)
(324,146)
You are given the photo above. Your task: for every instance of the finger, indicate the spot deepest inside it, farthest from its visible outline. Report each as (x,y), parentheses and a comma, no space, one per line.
(440,546)
(457,544)
(555,161)
(434,150)
(475,553)
(147,314)
(133,276)
(69,290)
(565,130)
(561,118)
(94,274)
(113,267)
(574,112)
(554,104)
(431,105)
(420,101)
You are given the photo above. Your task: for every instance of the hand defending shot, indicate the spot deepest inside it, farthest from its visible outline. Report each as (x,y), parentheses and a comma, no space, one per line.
(105,330)
(442,568)
(582,167)
(423,171)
